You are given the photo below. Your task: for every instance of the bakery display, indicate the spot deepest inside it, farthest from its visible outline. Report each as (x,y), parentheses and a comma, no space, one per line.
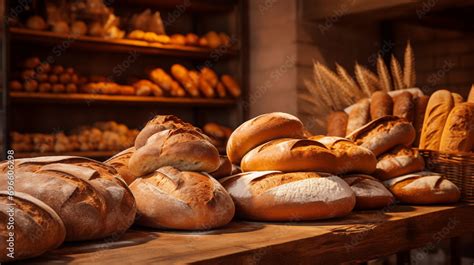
(36,228)
(369,192)
(90,197)
(173,199)
(157,124)
(297,196)
(458,132)
(400,160)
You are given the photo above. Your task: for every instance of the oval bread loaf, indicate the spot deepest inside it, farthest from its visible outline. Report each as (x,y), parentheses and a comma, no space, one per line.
(120,163)
(381,104)
(401,160)
(458,132)
(403,106)
(370,193)
(225,168)
(297,196)
(174,199)
(37,227)
(337,123)
(358,116)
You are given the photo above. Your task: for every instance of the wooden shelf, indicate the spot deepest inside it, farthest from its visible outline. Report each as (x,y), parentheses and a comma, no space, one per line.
(186,5)
(89,43)
(95,98)
(361,236)
(90,154)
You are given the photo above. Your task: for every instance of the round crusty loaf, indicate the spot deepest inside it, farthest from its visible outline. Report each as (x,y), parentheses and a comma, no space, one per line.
(297,196)
(423,188)
(37,228)
(351,158)
(225,168)
(290,155)
(458,132)
(184,148)
(89,196)
(401,160)
(120,163)
(383,134)
(174,199)
(262,129)
(370,193)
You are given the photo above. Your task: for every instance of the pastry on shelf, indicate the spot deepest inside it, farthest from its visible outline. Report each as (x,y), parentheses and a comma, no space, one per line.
(36,23)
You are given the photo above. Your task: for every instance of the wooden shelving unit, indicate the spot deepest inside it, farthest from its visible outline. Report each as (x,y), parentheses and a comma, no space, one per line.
(205,6)
(91,154)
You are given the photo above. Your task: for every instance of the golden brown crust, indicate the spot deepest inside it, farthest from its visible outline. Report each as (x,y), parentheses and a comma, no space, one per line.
(401,160)
(458,132)
(224,169)
(403,106)
(157,124)
(358,116)
(181,74)
(381,104)
(337,123)
(231,85)
(370,193)
(120,163)
(419,116)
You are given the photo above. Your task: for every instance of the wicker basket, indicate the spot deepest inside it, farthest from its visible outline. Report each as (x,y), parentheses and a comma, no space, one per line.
(457,167)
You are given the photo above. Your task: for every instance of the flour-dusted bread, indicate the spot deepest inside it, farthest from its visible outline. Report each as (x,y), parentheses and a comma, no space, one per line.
(262,129)
(351,158)
(403,106)
(120,163)
(420,108)
(458,132)
(423,188)
(157,124)
(437,111)
(174,199)
(89,196)
(297,196)
(383,134)
(359,115)
(401,160)
(370,193)
(337,123)
(183,148)
(224,169)
(381,104)
(37,228)
(290,155)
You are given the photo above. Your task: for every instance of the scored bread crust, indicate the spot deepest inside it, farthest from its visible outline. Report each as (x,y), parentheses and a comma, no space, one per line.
(458,132)
(183,148)
(423,188)
(120,163)
(401,160)
(370,193)
(38,228)
(296,196)
(262,129)
(383,134)
(89,196)
(290,155)
(174,199)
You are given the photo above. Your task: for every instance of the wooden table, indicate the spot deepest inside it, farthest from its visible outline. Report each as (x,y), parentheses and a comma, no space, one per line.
(358,237)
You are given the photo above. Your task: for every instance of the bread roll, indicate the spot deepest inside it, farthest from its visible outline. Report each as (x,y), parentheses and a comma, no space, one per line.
(291,155)
(90,198)
(160,77)
(180,73)
(401,160)
(36,23)
(15,85)
(183,148)
(437,111)
(370,193)
(231,85)
(351,158)
(261,129)
(120,163)
(403,106)
(224,169)
(337,123)
(37,228)
(157,124)
(169,198)
(381,104)
(358,116)
(297,196)
(220,89)
(470,97)
(420,109)
(458,132)
(210,76)
(458,99)
(423,188)
(383,134)
(205,88)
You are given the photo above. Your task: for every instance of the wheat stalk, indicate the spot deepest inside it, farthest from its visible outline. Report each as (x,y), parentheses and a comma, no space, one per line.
(340,90)
(409,74)
(349,81)
(362,80)
(396,73)
(384,75)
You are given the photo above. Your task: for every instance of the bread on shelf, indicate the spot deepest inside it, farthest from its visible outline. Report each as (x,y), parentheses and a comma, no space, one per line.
(369,192)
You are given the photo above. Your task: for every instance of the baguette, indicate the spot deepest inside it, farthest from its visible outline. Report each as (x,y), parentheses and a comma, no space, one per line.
(420,108)
(403,106)
(458,133)
(337,123)
(370,193)
(381,104)
(231,85)
(181,74)
(358,116)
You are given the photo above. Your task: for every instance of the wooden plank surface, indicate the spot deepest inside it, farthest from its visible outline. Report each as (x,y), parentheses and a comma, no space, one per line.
(358,237)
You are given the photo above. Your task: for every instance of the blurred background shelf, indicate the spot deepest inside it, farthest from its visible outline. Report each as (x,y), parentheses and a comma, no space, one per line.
(90,154)
(203,6)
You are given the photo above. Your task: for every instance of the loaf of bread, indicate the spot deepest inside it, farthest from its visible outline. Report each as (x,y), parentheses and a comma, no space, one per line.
(337,123)
(458,132)
(183,148)
(403,106)
(162,79)
(358,116)
(458,99)
(224,169)
(370,193)
(420,108)
(383,134)
(261,129)
(37,228)
(205,87)
(401,160)
(174,199)
(437,111)
(381,104)
(423,188)
(291,155)
(89,196)
(231,85)
(157,124)
(470,97)
(351,158)
(210,76)
(221,91)
(181,74)
(297,196)
(120,163)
